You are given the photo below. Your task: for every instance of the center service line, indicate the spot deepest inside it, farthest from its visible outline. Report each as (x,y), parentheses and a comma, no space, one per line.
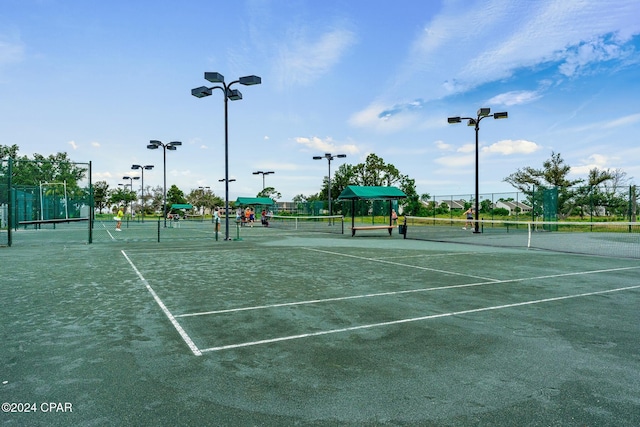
(166,311)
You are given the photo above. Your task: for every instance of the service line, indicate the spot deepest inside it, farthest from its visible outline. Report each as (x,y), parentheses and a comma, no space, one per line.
(414,319)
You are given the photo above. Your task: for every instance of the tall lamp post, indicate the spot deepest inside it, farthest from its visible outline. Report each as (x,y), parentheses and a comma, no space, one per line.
(130,178)
(229,94)
(171,146)
(329,157)
(142,169)
(263,174)
(483,113)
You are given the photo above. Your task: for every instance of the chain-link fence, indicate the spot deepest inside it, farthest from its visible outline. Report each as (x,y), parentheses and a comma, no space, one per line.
(596,203)
(41,194)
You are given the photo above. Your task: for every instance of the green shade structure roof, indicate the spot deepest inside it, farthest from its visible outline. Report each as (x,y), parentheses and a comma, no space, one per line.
(181,206)
(371,192)
(244,201)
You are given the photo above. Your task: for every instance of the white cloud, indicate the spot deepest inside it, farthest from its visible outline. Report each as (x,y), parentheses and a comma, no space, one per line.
(327,145)
(492,39)
(95,144)
(594,161)
(380,118)
(623,121)
(73,145)
(455,161)
(599,50)
(514,98)
(441,145)
(306,60)
(508,146)
(467,148)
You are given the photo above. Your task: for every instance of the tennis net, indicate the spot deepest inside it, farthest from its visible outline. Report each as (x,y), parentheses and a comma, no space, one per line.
(323,224)
(618,239)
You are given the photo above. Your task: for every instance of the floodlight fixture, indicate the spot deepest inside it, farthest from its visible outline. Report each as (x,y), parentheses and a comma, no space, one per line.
(213,77)
(250,80)
(201,92)
(234,94)
(263,173)
(483,112)
(142,169)
(171,146)
(229,94)
(329,157)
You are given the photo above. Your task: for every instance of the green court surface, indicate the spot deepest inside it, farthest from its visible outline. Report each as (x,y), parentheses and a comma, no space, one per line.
(285,328)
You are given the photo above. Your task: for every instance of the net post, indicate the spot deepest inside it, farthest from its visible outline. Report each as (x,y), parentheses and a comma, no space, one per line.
(237,232)
(158,229)
(529,224)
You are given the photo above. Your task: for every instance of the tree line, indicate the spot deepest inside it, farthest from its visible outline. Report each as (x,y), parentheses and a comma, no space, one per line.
(611,189)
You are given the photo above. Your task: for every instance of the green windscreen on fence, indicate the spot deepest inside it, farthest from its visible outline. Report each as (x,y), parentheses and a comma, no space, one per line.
(45,195)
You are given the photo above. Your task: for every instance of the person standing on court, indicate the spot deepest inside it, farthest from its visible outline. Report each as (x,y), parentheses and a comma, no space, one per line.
(469,214)
(119,216)
(216,219)
(394,216)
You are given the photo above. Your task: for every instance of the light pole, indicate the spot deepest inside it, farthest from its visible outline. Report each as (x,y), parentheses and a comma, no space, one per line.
(329,157)
(263,174)
(172,146)
(142,169)
(130,178)
(229,94)
(226,201)
(482,114)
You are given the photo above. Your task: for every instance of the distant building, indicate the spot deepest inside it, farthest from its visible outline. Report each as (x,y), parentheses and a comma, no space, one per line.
(289,207)
(452,204)
(513,207)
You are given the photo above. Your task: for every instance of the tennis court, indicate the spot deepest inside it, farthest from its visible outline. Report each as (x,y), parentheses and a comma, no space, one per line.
(288,327)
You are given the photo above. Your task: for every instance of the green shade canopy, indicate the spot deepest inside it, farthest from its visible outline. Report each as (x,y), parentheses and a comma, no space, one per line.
(371,192)
(244,201)
(181,206)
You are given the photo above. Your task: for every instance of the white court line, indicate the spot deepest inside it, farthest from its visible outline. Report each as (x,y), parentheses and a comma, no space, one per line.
(428,255)
(400,264)
(408,291)
(414,319)
(108,232)
(166,311)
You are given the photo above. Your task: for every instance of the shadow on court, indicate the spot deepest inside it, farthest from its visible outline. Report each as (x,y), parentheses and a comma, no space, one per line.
(285,328)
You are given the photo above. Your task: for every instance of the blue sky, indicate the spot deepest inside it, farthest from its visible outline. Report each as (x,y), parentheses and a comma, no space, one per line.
(100,79)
